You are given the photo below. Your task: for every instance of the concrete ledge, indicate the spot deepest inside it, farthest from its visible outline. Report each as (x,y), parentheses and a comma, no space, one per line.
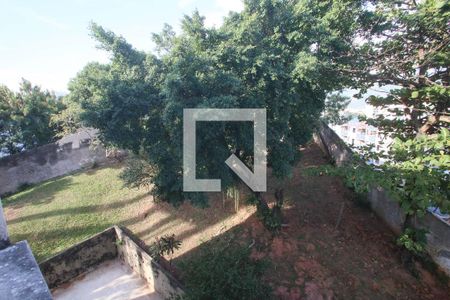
(142,263)
(113,243)
(80,258)
(20,277)
(333,146)
(438,237)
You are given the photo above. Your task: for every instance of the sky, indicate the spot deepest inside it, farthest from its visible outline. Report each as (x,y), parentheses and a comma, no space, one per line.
(47,42)
(358,105)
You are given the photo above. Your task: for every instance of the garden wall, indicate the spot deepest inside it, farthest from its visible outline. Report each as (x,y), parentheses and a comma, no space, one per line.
(113,243)
(438,237)
(80,258)
(139,260)
(69,154)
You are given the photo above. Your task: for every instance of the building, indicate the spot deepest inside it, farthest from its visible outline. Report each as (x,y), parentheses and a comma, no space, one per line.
(356,133)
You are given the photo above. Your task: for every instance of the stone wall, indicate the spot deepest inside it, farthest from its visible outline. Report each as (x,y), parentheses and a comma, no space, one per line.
(438,237)
(113,243)
(69,154)
(153,272)
(80,258)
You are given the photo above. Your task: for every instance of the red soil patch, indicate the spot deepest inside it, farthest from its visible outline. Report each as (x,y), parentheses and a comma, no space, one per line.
(313,260)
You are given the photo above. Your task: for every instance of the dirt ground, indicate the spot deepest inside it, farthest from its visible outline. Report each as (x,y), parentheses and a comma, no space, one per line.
(314,259)
(311,258)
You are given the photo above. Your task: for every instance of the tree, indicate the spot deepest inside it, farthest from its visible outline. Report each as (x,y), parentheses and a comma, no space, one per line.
(89,83)
(25,118)
(268,56)
(67,120)
(405,44)
(335,105)
(415,175)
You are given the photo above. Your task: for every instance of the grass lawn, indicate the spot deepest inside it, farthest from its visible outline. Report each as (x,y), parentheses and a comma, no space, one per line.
(58,213)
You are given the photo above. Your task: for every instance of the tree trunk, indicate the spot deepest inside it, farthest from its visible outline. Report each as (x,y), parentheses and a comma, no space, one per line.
(406,256)
(279,196)
(261,204)
(407,222)
(271,218)
(276,211)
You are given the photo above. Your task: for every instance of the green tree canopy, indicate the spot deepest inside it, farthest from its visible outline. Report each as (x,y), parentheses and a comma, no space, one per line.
(405,44)
(274,55)
(334,114)
(25,118)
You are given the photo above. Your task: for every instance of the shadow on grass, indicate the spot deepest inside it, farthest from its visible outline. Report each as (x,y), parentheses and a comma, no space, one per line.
(231,236)
(95,169)
(223,267)
(77,210)
(48,188)
(51,235)
(42,193)
(60,238)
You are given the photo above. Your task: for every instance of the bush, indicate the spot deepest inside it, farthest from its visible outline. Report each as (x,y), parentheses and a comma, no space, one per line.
(224,272)
(413,240)
(165,245)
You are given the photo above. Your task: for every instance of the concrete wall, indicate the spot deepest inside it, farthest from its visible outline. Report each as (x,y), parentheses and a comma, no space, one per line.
(387,209)
(438,237)
(113,243)
(333,146)
(142,263)
(69,154)
(438,240)
(338,151)
(80,258)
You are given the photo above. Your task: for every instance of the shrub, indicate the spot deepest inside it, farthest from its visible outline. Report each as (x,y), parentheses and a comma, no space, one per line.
(165,245)
(413,240)
(224,272)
